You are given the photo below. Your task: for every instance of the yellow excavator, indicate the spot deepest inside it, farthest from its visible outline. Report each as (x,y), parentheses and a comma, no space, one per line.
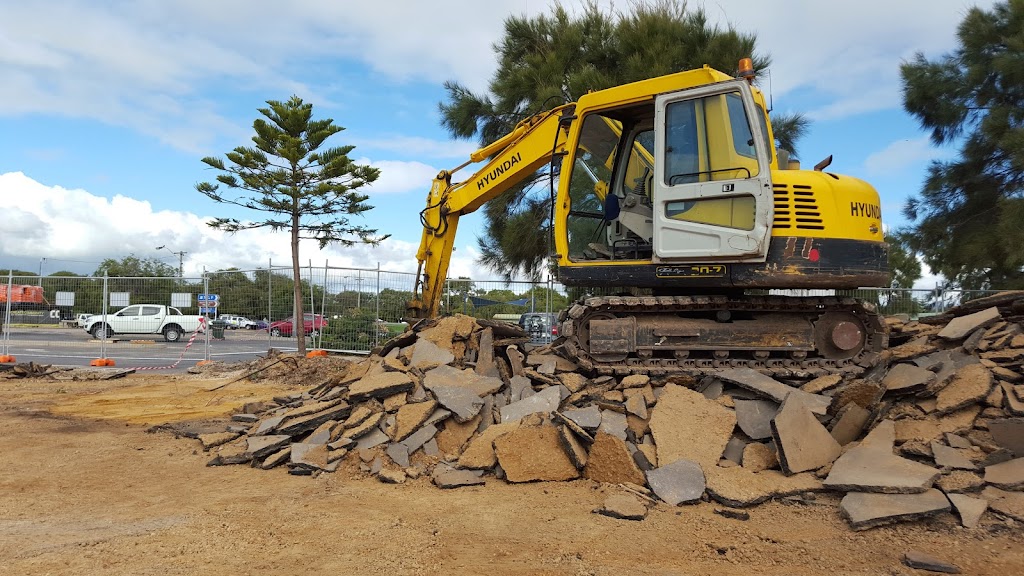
(671,190)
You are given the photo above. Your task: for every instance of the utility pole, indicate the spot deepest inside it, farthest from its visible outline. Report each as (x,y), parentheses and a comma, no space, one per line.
(41,260)
(181,259)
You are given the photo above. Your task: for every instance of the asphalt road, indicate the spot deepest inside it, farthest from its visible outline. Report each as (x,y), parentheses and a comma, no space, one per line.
(74,347)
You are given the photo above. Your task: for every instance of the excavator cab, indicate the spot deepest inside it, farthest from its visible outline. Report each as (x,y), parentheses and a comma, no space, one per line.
(690,172)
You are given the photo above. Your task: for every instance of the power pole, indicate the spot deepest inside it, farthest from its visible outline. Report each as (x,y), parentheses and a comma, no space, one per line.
(181,259)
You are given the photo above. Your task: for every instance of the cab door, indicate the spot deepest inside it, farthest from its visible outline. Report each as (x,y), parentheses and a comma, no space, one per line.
(712,186)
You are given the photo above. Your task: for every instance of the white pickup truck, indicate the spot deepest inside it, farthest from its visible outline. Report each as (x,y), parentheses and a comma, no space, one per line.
(144,319)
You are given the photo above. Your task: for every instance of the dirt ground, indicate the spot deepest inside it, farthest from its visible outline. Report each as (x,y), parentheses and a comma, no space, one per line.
(88,487)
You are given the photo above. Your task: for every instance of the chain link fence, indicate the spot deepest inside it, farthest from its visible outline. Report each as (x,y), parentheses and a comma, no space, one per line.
(163,322)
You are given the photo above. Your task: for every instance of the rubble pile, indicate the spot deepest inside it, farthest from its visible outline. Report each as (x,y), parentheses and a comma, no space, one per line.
(937,426)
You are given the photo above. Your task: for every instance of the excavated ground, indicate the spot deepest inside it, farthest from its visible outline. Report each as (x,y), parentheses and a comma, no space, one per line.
(92,483)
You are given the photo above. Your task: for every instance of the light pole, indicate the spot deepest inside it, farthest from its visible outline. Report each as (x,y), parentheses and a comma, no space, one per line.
(41,260)
(181,259)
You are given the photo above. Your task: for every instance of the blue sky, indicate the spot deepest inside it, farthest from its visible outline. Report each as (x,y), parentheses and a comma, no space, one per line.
(108,106)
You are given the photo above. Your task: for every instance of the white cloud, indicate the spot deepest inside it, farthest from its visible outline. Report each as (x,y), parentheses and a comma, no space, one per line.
(846,52)
(152,66)
(73,226)
(400,177)
(902,154)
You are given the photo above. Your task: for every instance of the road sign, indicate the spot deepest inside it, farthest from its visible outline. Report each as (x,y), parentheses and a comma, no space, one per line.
(208,297)
(206,310)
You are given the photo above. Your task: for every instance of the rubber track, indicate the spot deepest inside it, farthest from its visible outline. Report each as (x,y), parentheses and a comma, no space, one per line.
(877,336)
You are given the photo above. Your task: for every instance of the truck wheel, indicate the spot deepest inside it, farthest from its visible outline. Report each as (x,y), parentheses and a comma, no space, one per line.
(172,333)
(101,331)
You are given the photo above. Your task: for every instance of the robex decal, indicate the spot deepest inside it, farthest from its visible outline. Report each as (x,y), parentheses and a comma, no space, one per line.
(865,210)
(499,170)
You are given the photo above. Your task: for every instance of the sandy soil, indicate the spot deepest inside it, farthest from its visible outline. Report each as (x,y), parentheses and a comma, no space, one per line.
(88,487)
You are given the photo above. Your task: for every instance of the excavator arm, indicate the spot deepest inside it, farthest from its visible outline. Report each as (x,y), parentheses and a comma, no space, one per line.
(511,159)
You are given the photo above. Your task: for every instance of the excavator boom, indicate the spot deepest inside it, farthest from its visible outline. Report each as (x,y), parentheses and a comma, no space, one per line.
(535,142)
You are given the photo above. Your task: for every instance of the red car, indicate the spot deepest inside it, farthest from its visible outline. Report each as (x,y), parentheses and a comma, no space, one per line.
(312,324)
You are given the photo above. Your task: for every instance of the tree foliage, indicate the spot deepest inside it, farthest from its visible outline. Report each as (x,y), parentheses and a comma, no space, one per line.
(903,264)
(309,191)
(967,217)
(552,59)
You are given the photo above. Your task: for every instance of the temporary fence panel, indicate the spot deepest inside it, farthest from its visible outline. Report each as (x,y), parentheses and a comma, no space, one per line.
(137,322)
(248,312)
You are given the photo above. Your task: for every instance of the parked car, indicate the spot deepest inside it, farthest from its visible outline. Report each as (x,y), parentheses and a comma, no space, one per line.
(541,326)
(312,324)
(236,322)
(144,319)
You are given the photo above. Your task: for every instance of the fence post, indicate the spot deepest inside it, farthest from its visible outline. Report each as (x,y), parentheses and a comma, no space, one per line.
(206,290)
(376,316)
(323,305)
(270,299)
(6,356)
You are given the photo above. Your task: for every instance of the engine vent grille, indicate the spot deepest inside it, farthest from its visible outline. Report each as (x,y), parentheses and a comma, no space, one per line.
(796,207)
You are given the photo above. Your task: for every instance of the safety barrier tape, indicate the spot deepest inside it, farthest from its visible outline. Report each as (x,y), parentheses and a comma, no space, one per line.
(202,323)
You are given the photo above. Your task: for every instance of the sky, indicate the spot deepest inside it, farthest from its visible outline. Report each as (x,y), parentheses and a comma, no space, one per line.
(108,106)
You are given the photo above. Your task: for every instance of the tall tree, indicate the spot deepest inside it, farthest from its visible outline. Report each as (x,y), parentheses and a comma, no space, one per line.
(307,191)
(967,218)
(552,59)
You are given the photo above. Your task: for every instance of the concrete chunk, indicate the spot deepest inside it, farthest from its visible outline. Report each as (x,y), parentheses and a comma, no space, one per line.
(872,467)
(427,355)
(962,326)
(677,483)
(412,416)
(463,403)
(447,477)
(614,423)
(1006,475)
(758,457)
(588,418)
(968,508)
(907,379)
(534,453)
(922,561)
(479,453)
(623,507)
(947,457)
(822,383)
(259,446)
(573,447)
(543,402)
(687,425)
(740,487)
(754,417)
(769,387)
(803,443)
(610,461)
(419,438)
(468,379)
(849,423)
(969,385)
(1009,433)
(380,385)
(865,510)
(399,454)
(1009,504)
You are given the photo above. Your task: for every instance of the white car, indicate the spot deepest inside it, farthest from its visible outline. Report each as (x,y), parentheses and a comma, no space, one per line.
(235,322)
(82,320)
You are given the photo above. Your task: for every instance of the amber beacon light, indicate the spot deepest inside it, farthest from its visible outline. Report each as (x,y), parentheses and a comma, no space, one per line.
(746,69)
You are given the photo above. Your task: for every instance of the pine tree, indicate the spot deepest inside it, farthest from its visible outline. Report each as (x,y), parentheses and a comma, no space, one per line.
(967,220)
(307,191)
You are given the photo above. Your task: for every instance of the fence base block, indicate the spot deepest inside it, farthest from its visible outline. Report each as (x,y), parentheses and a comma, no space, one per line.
(315,353)
(7,359)
(102,362)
